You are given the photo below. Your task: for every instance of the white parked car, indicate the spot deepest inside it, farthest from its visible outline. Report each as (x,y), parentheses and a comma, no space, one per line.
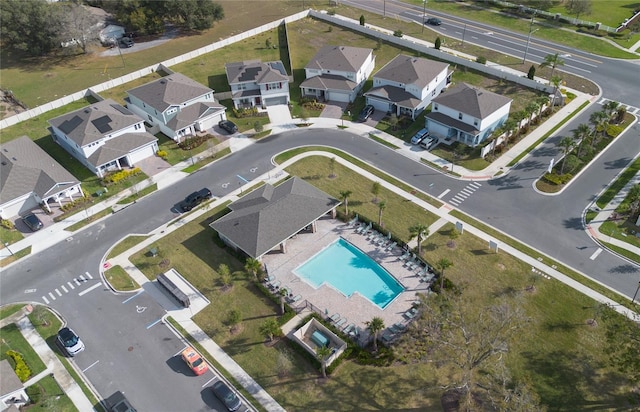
(429,142)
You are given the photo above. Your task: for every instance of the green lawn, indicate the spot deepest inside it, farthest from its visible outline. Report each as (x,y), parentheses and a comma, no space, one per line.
(12,339)
(551,353)
(9,236)
(126,244)
(619,183)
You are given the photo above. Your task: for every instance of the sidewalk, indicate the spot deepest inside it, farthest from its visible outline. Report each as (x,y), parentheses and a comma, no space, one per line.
(54,365)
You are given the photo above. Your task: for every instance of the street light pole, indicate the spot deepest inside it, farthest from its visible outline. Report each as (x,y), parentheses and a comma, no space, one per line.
(424,13)
(463,33)
(635,294)
(531,31)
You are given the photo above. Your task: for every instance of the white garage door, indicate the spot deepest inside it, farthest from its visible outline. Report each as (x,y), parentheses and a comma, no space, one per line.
(338,97)
(272,101)
(19,207)
(379,105)
(141,154)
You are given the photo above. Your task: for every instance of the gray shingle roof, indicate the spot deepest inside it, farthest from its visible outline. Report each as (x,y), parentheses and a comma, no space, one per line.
(188,115)
(451,122)
(264,218)
(171,90)
(120,146)
(472,100)
(256,71)
(9,381)
(329,82)
(95,121)
(411,70)
(343,58)
(394,95)
(26,168)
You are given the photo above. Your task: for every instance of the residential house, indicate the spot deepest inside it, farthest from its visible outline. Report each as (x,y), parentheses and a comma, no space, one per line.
(29,177)
(337,73)
(12,392)
(406,85)
(104,136)
(254,83)
(177,105)
(467,114)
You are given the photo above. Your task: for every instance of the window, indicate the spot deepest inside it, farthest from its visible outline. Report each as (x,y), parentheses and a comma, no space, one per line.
(435,107)
(274,86)
(459,116)
(242,86)
(475,122)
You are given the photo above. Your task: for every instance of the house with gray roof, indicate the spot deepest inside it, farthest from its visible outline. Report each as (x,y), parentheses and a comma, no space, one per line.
(177,105)
(29,177)
(104,136)
(466,114)
(254,83)
(337,73)
(406,85)
(12,392)
(266,218)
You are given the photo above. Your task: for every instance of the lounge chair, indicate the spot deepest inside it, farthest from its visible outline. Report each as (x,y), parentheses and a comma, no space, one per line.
(360,228)
(295,299)
(411,313)
(269,278)
(388,336)
(335,317)
(349,328)
(274,284)
(355,332)
(341,322)
(391,246)
(398,327)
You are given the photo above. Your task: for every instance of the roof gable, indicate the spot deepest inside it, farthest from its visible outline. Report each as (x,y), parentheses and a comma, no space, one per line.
(411,70)
(471,100)
(172,90)
(342,58)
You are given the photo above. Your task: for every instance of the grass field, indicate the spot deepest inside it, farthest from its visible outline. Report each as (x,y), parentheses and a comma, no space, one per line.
(558,353)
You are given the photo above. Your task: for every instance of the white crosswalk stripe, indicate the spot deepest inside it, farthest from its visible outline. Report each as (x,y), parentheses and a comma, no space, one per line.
(464,193)
(46,301)
(88,275)
(58,292)
(64,289)
(52,296)
(71,285)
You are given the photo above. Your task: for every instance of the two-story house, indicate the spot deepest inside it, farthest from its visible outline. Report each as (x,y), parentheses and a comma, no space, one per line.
(337,73)
(254,83)
(406,85)
(466,114)
(177,105)
(104,136)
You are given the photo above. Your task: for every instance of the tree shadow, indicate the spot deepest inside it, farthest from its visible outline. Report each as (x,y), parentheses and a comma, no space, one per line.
(574,223)
(624,269)
(617,164)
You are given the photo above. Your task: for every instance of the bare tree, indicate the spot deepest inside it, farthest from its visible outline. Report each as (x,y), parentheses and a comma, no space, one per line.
(80,25)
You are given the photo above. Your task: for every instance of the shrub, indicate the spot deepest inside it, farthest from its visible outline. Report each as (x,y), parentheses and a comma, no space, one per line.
(397,33)
(362,19)
(258,127)
(556,179)
(34,392)
(7,224)
(438,43)
(193,141)
(481,60)
(613,130)
(331,12)
(22,370)
(532,72)
(245,112)
(121,175)
(162,153)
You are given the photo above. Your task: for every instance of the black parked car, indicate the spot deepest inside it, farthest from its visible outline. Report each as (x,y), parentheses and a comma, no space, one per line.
(226,395)
(365,113)
(126,42)
(229,126)
(195,198)
(433,21)
(32,222)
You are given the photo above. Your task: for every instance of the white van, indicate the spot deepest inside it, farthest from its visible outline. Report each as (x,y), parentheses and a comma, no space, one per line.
(428,143)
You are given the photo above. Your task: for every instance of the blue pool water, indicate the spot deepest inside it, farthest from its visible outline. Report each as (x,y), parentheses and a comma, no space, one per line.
(349,270)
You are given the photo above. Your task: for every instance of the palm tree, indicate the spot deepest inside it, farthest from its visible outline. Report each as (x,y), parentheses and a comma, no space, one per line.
(322,353)
(254,266)
(610,107)
(270,328)
(541,100)
(566,144)
(381,206)
(598,120)
(509,127)
(519,116)
(580,134)
(420,231)
(375,325)
(345,198)
(283,294)
(532,108)
(634,199)
(553,61)
(443,264)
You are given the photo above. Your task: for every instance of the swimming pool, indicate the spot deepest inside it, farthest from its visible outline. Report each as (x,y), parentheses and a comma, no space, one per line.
(349,270)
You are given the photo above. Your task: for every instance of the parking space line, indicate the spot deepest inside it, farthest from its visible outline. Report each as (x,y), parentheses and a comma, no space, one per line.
(88,275)
(90,366)
(58,292)
(89,289)
(131,297)
(596,253)
(152,324)
(210,380)
(51,296)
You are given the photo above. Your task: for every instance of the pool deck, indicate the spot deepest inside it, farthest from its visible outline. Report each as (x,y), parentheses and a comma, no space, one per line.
(355,309)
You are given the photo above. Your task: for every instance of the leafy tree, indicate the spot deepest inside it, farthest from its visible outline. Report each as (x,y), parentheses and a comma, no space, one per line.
(322,353)
(344,195)
(375,325)
(381,206)
(566,144)
(332,167)
(254,266)
(375,190)
(421,231)
(194,14)
(531,74)
(33,26)
(579,7)
(610,107)
(270,328)
(79,24)
(234,318)
(438,43)
(225,275)
(633,198)
(362,19)
(443,264)
(553,61)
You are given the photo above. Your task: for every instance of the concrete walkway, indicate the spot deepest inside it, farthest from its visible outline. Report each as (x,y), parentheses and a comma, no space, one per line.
(55,368)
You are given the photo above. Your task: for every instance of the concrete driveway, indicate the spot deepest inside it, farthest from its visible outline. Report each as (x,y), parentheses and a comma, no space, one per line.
(333,110)
(279,114)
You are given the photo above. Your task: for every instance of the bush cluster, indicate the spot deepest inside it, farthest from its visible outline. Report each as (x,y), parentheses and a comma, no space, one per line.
(555,179)
(311,103)
(162,153)
(7,224)
(481,60)
(75,203)
(117,177)
(22,370)
(613,130)
(397,33)
(192,142)
(248,112)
